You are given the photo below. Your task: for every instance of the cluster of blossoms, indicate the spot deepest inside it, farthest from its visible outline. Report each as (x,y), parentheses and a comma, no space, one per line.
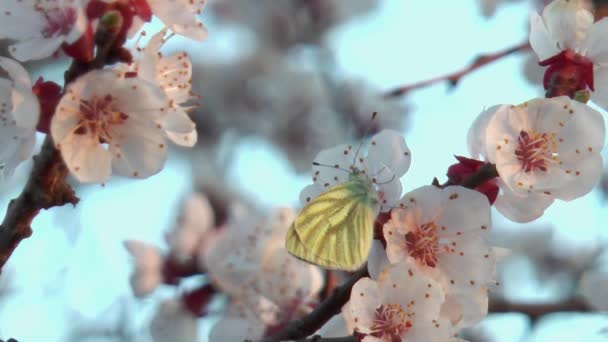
(116,118)
(431,267)
(243,258)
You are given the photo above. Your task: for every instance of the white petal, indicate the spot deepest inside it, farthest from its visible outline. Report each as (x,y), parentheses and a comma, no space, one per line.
(584,174)
(568,22)
(592,287)
(16,72)
(179,127)
(236,329)
(506,123)
(388,150)
(600,80)
(476,137)
(138,148)
(173,323)
(389,194)
(420,206)
(364,299)
(396,248)
(470,266)
(35,48)
(541,40)
(377,260)
(335,165)
(310,192)
(522,208)
(144,283)
(86,159)
(596,43)
(404,284)
(181,17)
(425,330)
(465,211)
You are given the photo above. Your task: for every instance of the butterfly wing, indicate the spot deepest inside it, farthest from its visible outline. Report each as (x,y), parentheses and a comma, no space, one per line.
(335,230)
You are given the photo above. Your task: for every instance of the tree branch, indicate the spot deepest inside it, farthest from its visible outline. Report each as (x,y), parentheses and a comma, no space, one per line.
(45,188)
(308,325)
(454,77)
(535,311)
(318,338)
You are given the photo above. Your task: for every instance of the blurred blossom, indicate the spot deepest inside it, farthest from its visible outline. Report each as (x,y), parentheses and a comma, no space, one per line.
(172,322)
(286,23)
(592,287)
(19,112)
(148,260)
(194,229)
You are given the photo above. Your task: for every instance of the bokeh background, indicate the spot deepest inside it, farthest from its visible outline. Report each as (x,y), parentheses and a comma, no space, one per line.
(279,81)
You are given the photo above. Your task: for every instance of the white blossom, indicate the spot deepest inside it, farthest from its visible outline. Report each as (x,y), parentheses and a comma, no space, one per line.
(181,16)
(194,230)
(41,27)
(147,275)
(19,112)
(567,26)
(386,160)
(401,305)
(543,149)
(106,123)
(269,287)
(172,322)
(443,232)
(173,74)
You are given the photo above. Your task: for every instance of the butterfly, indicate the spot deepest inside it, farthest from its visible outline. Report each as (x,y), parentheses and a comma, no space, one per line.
(335,230)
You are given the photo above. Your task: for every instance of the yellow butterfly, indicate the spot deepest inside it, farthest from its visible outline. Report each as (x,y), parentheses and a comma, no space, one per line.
(335,230)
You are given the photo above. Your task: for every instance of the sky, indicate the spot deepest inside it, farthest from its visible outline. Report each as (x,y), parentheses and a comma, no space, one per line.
(58,275)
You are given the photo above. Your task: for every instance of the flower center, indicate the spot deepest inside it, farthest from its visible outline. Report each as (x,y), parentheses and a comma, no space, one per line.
(390,322)
(98,115)
(534,150)
(59,21)
(423,244)
(567,73)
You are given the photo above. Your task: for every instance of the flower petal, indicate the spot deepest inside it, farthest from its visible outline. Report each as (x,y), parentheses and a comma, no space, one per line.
(568,22)
(521,208)
(138,148)
(364,299)
(541,40)
(387,150)
(335,165)
(596,43)
(86,158)
(476,137)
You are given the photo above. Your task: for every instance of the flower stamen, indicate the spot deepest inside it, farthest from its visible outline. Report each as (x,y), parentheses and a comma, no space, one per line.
(423,244)
(391,321)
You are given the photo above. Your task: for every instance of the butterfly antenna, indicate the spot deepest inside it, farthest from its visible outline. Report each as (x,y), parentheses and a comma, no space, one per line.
(331,166)
(374,114)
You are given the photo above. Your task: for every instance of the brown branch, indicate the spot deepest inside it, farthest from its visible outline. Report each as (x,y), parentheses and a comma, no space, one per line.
(332,306)
(454,77)
(318,338)
(45,188)
(535,311)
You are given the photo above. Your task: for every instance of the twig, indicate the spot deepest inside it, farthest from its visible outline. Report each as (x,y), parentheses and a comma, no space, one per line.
(454,77)
(45,188)
(535,311)
(318,338)
(308,325)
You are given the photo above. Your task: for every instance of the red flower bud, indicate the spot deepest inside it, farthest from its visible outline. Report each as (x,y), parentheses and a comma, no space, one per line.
(49,94)
(467,167)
